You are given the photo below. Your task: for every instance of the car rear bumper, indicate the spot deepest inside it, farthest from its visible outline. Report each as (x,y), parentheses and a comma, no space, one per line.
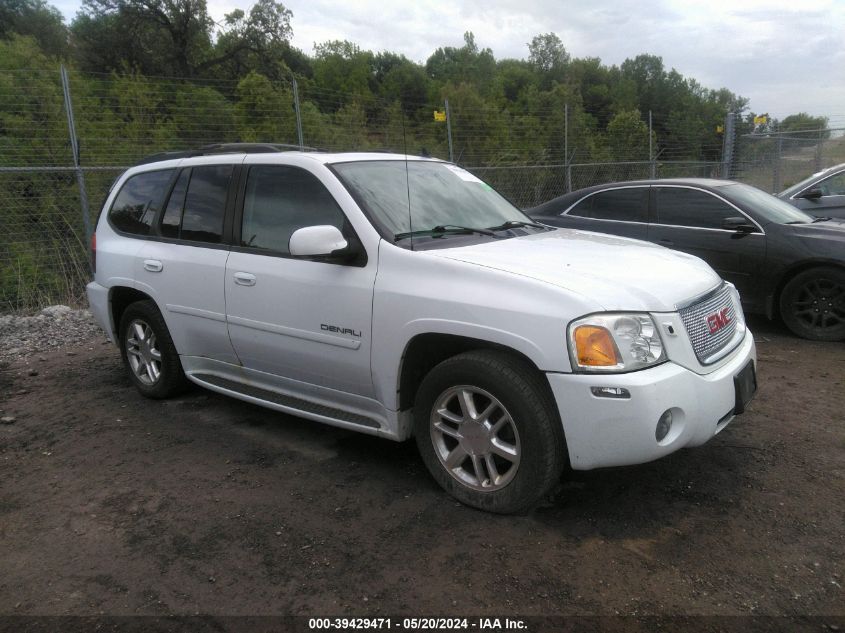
(98,299)
(602,431)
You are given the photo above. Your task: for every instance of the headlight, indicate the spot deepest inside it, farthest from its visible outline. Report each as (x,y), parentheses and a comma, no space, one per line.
(614,343)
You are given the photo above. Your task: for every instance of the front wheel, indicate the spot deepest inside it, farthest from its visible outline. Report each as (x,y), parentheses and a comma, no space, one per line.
(812,304)
(487,430)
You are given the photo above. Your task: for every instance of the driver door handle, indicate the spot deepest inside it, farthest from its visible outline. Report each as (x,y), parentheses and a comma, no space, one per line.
(245,279)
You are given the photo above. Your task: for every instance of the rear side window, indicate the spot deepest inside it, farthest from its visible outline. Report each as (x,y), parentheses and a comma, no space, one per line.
(279,200)
(197,206)
(690,207)
(623,205)
(139,200)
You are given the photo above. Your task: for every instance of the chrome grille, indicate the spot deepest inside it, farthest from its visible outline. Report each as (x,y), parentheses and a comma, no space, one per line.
(696,323)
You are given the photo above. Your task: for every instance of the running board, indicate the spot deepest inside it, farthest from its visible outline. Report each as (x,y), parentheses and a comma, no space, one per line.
(288,404)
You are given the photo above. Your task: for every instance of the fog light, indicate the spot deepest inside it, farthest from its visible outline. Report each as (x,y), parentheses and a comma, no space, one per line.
(663,425)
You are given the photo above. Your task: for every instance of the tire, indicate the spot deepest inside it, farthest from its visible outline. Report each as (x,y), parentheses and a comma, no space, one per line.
(148,352)
(812,304)
(514,416)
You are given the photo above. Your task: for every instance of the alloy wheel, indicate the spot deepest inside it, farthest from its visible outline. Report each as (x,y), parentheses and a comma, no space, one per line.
(141,351)
(475,438)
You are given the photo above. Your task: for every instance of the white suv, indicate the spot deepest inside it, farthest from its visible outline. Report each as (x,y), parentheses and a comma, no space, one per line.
(402,296)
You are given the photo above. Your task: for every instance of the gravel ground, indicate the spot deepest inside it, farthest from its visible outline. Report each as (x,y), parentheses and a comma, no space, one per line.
(113,504)
(54,327)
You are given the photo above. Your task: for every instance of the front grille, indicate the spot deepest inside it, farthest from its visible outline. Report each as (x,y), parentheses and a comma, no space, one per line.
(695,318)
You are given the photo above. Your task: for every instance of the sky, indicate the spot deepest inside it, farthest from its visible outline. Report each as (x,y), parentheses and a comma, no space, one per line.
(785,56)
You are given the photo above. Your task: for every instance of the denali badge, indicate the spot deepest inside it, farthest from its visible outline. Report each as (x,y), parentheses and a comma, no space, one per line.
(340,330)
(718,320)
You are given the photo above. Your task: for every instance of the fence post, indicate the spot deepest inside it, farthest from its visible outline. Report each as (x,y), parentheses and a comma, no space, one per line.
(449,130)
(298,114)
(568,172)
(728,146)
(652,164)
(819,151)
(74,146)
(777,178)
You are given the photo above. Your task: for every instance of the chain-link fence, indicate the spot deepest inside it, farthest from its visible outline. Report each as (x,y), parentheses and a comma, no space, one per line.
(776,160)
(65,137)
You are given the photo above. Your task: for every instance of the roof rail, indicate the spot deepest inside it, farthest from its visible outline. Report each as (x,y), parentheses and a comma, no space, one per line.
(226,148)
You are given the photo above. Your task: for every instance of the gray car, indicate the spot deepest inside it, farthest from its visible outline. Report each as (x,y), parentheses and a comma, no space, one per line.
(822,194)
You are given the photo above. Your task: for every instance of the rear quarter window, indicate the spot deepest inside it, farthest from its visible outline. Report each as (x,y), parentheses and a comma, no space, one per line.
(139,200)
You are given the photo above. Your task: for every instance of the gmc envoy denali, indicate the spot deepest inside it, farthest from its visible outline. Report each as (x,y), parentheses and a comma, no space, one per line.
(402,296)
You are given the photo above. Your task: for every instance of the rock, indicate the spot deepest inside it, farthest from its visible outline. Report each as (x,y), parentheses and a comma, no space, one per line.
(56,311)
(33,372)
(8,419)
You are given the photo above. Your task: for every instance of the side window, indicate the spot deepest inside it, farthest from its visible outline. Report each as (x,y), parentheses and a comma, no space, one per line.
(205,203)
(628,205)
(197,204)
(139,200)
(689,207)
(281,199)
(833,186)
(172,218)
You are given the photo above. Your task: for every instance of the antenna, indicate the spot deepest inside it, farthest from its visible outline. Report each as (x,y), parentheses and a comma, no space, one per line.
(407,182)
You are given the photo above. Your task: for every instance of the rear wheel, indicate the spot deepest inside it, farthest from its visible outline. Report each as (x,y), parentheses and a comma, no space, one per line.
(488,431)
(148,352)
(812,304)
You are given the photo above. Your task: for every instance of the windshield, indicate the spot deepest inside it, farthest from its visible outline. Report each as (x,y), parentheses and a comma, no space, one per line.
(766,206)
(789,191)
(441,195)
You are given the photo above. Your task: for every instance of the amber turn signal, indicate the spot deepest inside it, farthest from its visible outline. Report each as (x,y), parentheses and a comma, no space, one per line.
(595,347)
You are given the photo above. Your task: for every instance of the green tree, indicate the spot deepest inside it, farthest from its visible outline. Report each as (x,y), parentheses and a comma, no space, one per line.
(37,19)
(626,137)
(264,111)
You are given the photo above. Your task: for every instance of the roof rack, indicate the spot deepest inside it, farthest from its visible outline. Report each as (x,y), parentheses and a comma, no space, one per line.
(226,148)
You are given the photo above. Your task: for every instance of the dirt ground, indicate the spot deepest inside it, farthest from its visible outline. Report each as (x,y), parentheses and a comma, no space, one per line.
(113,504)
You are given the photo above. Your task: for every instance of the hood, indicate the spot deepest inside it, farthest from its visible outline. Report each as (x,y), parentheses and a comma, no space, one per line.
(831,230)
(617,272)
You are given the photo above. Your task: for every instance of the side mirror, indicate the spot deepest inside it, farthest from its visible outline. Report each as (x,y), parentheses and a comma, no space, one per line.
(813,193)
(318,241)
(740,224)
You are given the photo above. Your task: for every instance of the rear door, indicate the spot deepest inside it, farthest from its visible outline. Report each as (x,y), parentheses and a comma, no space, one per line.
(301,319)
(690,220)
(184,266)
(618,211)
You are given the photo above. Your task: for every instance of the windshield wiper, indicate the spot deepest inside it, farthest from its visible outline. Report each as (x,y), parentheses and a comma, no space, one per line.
(513,224)
(442,229)
(820,219)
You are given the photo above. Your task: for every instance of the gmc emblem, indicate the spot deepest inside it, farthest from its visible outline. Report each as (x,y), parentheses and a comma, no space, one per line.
(718,320)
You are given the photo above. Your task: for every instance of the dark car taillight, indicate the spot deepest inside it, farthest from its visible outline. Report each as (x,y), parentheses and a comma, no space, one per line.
(94,253)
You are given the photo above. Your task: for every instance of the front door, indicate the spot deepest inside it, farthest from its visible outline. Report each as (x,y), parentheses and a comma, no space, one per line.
(300,319)
(690,220)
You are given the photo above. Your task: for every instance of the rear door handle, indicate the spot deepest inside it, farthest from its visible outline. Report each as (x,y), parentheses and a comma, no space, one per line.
(245,279)
(153,265)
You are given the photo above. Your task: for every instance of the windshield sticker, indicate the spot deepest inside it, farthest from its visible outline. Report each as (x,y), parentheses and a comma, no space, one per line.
(463,174)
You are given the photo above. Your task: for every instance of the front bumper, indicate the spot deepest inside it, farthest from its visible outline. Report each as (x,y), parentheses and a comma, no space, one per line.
(617,432)
(98,299)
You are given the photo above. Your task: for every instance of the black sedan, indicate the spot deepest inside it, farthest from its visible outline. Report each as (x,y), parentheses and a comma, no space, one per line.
(782,260)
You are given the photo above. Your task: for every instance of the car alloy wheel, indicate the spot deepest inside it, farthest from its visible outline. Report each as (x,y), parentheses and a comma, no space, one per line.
(141,352)
(820,304)
(475,438)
